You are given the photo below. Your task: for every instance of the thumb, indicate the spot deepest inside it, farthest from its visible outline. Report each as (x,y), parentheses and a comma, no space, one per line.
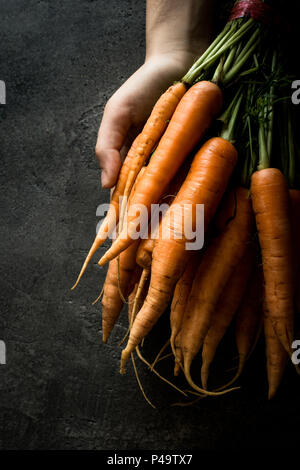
(111,137)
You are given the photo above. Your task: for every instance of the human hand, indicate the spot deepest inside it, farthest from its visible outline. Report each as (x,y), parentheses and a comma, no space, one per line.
(128,109)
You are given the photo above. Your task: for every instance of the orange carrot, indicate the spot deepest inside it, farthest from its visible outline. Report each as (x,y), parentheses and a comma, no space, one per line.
(248,319)
(137,156)
(216,267)
(204,184)
(177,354)
(131,298)
(145,250)
(226,308)
(192,117)
(112,301)
(112,216)
(180,297)
(270,198)
(295,216)
(143,259)
(153,130)
(276,355)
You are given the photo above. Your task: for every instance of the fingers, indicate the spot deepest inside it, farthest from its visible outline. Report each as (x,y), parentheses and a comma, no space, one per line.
(112,134)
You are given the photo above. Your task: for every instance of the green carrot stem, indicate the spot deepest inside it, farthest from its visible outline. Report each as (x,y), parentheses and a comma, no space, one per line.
(248,72)
(191,76)
(229,59)
(225,116)
(271,112)
(291,150)
(264,158)
(243,57)
(233,40)
(228,129)
(219,72)
(220,39)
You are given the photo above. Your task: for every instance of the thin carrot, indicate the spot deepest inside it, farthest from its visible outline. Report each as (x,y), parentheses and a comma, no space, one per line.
(131,298)
(140,295)
(216,267)
(143,259)
(192,117)
(270,199)
(112,216)
(181,294)
(275,353)
(145,250)
(112,301)
(248,318)
(226,308)
(205,184)
(295,217)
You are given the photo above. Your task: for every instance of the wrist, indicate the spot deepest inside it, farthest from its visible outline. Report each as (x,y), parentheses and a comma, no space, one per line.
(174,54)
(178,29)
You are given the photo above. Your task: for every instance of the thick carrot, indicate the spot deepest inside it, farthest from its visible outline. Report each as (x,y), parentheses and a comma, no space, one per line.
(192,117)
(216,267)
(276,355)
(248,319)
(112,301)
(226,308)
(270,199)
(145,250)
(112,216)
(295,216)
(205,184)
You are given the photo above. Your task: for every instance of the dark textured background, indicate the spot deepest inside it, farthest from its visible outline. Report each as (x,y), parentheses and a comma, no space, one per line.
(61,389)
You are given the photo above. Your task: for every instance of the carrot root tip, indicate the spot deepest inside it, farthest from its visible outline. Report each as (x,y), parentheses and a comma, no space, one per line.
(272,393)
(124,358)
(104,338)
(204,376)
(176,369)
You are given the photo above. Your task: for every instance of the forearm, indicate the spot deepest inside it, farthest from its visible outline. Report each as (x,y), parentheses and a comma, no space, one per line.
(179,27)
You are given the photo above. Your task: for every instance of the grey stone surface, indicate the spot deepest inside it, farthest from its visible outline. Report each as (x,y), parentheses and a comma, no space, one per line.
(61,387)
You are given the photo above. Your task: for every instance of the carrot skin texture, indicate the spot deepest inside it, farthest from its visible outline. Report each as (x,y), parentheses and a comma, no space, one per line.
(154,128)
(276,356)
(112,302)
(270,199)
(178,355)
(180,297)
(137,156)
(295,216)
(204,184)
(227,306)
(216,267)
(248,317)
(192,117)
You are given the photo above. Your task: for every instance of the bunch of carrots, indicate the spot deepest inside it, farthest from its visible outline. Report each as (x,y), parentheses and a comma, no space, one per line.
(211,140)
